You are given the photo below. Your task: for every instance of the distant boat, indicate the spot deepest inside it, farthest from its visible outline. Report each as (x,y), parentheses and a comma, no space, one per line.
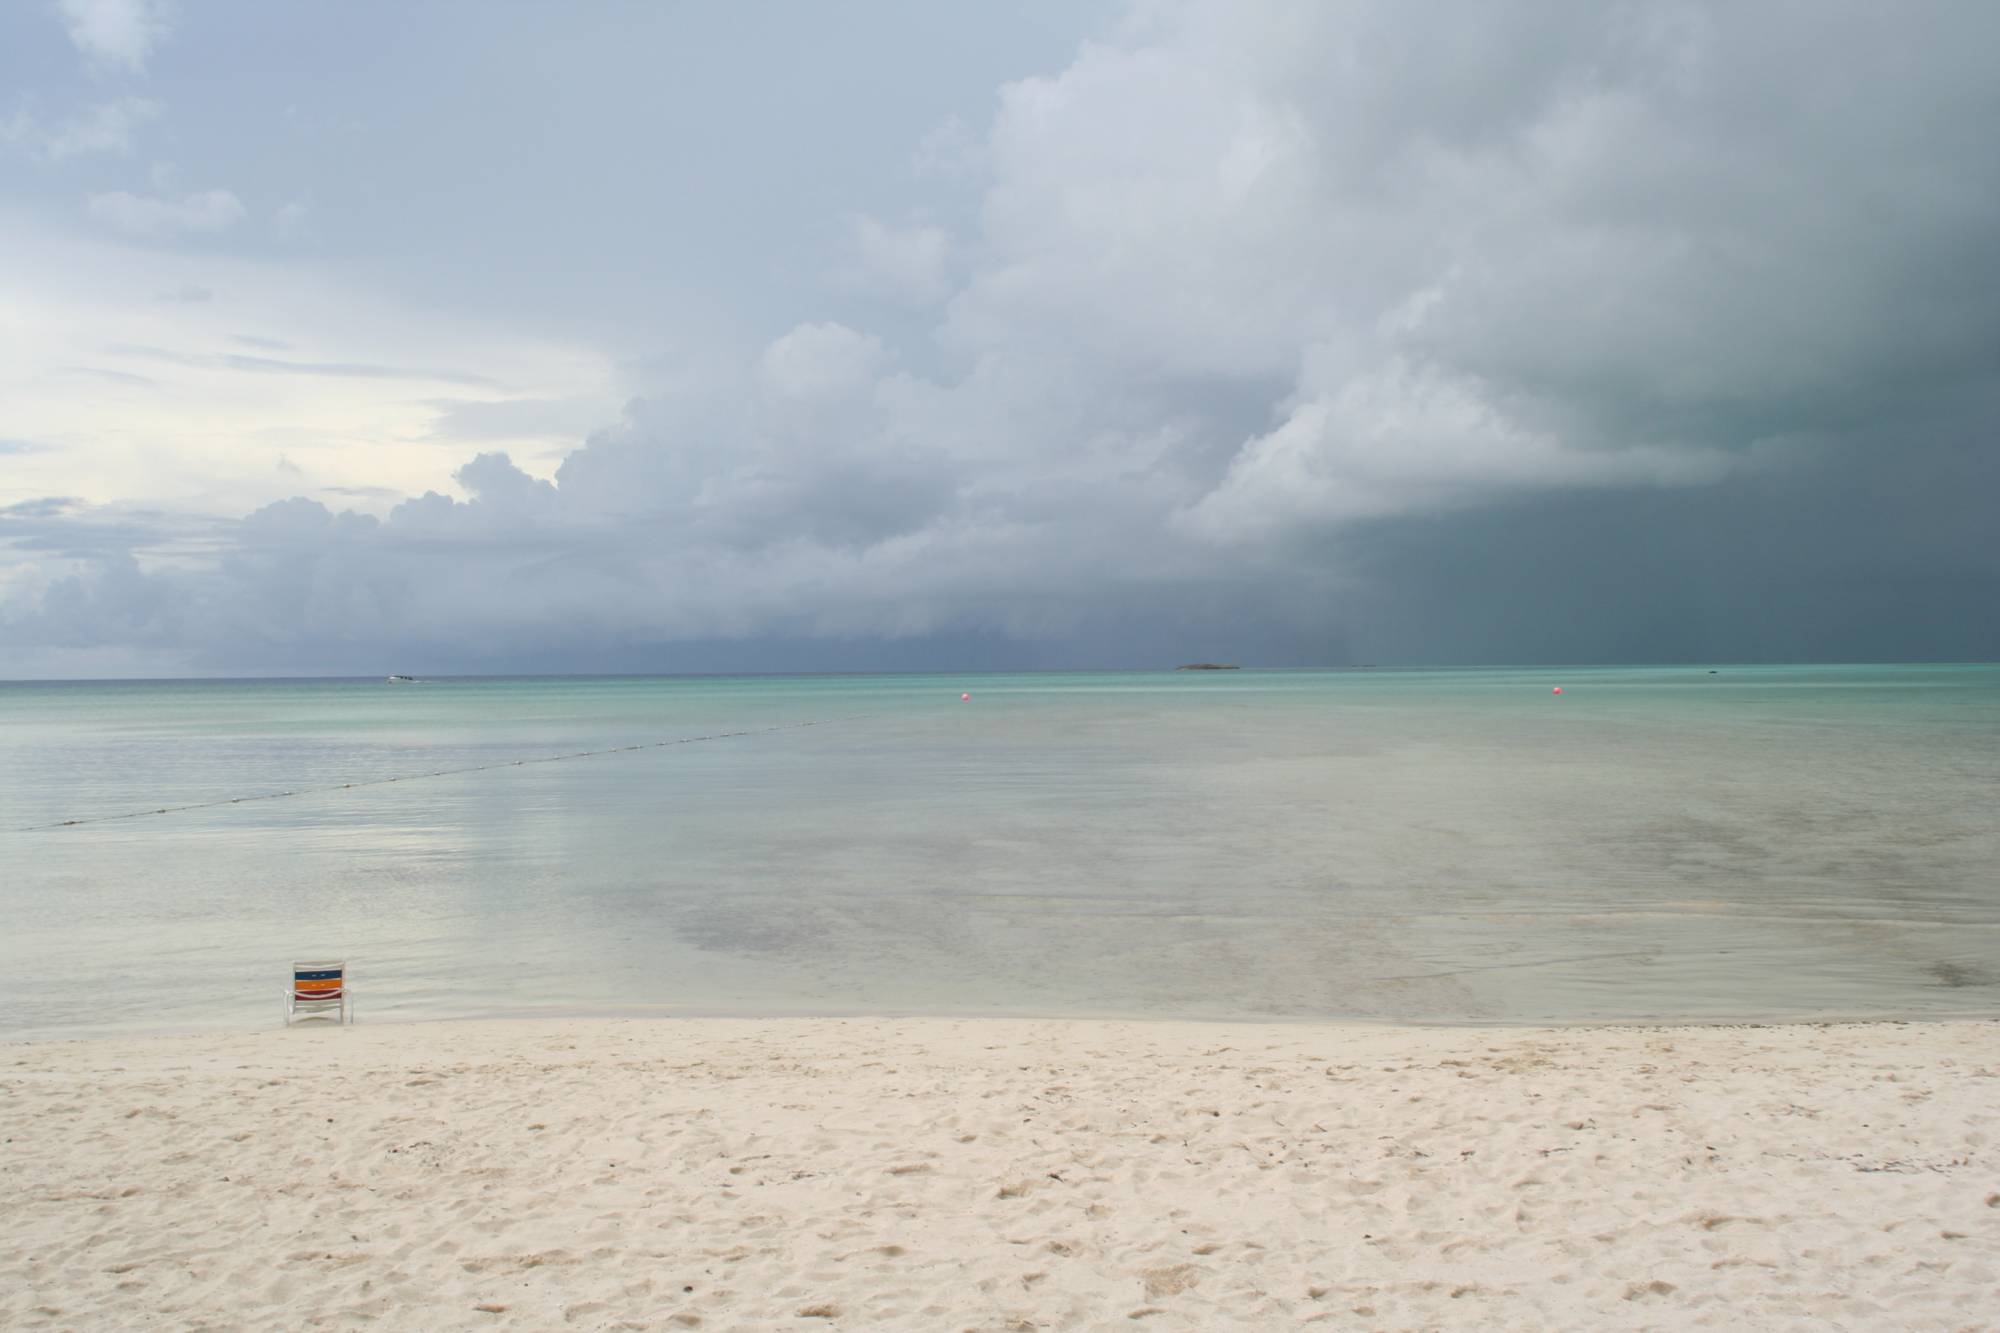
(402,680)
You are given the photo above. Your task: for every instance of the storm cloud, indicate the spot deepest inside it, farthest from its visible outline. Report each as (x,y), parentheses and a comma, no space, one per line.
(1280,333)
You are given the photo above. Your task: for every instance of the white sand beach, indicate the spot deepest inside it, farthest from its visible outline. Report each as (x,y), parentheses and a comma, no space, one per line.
(944,1174)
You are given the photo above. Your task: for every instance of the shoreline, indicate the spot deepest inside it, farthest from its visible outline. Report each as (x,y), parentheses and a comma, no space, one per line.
(672,1013)
(1003,1173)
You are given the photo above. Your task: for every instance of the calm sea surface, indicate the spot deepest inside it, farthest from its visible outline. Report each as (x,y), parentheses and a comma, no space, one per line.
(1454,846)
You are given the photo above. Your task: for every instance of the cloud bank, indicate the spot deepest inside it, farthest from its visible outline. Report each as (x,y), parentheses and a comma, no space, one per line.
(1285,333)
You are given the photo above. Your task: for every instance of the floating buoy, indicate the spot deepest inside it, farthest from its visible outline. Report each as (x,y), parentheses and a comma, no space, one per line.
(965,698)
(1559,689)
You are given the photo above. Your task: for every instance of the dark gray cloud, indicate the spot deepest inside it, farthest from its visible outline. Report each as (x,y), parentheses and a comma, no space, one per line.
(46,506)
(1281,333)
(87,538)
(1864,554)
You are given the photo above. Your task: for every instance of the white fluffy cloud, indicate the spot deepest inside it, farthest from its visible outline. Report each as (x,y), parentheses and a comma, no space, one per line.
(1403,439)
(149,215)
(117,34)
(107,127)
(909,264)
(820,361)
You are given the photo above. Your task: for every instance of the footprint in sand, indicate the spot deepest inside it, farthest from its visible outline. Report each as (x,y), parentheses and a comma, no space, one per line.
(1169,1281)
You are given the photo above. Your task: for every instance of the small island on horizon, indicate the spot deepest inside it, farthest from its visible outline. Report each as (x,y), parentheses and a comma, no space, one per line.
(1209,666)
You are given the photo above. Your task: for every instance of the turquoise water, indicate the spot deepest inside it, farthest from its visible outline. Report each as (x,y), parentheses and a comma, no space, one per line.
(1448,846)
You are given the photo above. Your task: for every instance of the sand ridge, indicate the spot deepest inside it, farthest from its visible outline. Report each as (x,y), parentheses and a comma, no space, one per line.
(1001,1174)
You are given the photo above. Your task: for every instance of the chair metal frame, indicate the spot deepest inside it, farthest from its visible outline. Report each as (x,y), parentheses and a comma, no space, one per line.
(316,1003)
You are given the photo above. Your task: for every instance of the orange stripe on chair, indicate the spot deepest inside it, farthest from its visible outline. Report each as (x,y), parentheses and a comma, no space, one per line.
(318,988)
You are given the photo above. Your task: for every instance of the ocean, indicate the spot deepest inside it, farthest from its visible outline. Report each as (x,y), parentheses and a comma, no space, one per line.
(1436,846)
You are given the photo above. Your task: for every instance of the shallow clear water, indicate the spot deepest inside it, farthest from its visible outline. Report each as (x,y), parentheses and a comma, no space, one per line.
(1415,845)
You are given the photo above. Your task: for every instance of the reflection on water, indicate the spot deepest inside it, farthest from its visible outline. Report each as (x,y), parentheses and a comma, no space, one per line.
(1433,846)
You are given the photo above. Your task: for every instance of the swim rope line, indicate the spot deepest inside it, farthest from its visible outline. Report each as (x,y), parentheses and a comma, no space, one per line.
(439,773)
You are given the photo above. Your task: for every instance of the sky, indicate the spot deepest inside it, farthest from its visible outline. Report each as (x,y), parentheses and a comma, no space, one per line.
(615,336)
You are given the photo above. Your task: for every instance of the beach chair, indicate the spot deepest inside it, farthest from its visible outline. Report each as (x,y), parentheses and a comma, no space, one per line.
(316,990)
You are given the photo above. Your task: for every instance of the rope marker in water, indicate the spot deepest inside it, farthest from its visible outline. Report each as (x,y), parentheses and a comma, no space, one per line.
(437,773)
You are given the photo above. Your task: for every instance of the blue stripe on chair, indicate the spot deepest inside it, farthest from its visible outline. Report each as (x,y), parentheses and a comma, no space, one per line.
(332,974)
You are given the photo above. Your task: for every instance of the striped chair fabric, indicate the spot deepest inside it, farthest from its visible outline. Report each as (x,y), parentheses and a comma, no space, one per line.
(315,988)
